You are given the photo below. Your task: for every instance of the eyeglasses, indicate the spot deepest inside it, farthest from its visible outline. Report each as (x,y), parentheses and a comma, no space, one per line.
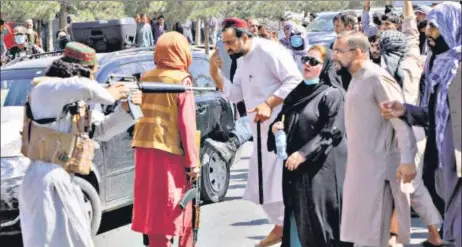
(342,51)
(311,60)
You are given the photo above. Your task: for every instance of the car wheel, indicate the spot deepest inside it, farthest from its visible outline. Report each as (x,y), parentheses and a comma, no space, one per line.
(215,175)
(92,203)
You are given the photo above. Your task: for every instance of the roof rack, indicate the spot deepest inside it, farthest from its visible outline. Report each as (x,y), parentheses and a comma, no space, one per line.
(34,56)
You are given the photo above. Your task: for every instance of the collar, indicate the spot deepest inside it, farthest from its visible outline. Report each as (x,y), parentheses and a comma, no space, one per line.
(365,66)
(255,40)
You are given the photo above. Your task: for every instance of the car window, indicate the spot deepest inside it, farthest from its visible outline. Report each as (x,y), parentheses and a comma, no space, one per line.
(199,70)
(16,85)
(322,23)
(127,69)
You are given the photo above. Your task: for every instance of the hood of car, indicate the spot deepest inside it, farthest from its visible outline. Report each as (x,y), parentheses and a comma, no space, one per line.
(11,127)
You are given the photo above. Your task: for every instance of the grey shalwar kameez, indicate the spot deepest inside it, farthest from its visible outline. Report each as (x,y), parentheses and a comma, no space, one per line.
(376,147)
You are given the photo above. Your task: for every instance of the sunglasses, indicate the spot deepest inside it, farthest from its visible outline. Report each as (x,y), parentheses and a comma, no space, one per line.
(311,60)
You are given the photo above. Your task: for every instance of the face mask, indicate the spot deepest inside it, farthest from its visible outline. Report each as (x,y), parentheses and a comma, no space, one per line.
(296,42)
(20,39)
(311,81)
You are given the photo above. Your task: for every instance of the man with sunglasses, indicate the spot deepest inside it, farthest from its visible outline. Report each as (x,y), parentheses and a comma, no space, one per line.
(266,73)
(380,152)
(22,47)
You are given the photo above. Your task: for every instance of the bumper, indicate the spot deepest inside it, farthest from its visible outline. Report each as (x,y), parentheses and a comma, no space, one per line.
(12,173)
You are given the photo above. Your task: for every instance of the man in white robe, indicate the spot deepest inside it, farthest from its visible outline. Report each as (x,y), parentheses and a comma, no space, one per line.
(51,204)
(266,73)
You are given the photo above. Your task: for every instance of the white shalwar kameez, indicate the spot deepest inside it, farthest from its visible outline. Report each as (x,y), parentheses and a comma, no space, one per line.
(50,202)
(266,70)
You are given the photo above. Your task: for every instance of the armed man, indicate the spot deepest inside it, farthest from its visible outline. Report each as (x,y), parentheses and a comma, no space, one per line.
(165,149)
(59,128)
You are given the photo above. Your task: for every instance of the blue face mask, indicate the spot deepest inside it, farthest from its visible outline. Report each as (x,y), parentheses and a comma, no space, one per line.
(296,42)
(20,39)
(311,81)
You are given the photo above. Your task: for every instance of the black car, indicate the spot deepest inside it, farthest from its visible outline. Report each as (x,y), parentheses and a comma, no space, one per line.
(110,185)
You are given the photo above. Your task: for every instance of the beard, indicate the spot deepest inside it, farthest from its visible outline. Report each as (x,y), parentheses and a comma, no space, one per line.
(341,68)
(440,45)
(421,24)
(236,55)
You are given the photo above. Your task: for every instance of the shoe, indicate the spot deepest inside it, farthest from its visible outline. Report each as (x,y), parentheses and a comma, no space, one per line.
(225,149)
(272,239)
(443,244)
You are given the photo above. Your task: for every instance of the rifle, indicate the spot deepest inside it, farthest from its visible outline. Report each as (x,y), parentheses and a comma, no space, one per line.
(150,87)
(194,194)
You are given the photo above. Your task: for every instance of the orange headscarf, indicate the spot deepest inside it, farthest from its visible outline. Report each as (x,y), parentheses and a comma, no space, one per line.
(173,52)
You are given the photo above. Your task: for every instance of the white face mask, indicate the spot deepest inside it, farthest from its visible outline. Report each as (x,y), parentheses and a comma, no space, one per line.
(20,39)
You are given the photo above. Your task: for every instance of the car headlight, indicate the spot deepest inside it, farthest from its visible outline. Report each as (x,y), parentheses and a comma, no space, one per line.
(12,173)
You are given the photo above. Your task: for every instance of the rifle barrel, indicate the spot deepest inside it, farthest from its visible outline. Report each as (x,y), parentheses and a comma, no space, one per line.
(156,87)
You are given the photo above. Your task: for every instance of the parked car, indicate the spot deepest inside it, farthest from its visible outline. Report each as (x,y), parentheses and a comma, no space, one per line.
(321,30)
(110,185)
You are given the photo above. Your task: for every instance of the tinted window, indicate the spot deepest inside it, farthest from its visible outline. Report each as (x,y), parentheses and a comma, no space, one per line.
(199,70)
(16,85)
(127,69)
(322,23)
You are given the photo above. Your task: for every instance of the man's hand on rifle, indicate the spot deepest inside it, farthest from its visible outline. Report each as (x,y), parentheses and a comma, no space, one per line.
(194,174)
(136,98)
(118,91)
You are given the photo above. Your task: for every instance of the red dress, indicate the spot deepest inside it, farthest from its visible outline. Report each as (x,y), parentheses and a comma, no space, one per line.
(160,181)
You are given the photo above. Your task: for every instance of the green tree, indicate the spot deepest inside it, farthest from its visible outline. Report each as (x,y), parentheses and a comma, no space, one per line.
(98,10)
(21,10)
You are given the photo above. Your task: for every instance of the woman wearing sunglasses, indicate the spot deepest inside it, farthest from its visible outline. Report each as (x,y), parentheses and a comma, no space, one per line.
(312,118)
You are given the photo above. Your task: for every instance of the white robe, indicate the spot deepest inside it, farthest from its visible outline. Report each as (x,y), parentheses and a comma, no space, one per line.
(267,69)
(50,203)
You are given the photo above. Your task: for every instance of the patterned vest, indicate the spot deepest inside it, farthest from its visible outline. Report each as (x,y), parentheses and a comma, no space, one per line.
(159,127)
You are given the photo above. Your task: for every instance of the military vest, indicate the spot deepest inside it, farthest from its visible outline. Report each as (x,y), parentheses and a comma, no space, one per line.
(158,128)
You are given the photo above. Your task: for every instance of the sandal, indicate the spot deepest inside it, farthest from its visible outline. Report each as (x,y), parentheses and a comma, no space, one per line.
(443,244)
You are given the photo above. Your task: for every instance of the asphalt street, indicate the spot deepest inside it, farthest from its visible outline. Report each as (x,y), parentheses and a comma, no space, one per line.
(231,223)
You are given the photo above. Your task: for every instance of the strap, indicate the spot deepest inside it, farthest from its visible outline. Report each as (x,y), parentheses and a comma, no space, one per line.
(72,108)
(39,121)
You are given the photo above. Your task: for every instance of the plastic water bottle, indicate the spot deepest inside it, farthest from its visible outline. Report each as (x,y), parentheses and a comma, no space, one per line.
(281,144)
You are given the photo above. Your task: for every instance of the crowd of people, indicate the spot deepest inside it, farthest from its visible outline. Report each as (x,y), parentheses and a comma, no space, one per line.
(354,135)
(381,90)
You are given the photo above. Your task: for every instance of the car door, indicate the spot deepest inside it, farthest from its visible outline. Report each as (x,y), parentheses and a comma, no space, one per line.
(118,155)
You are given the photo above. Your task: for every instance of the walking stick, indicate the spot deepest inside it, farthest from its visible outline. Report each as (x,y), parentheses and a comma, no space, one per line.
(260,165)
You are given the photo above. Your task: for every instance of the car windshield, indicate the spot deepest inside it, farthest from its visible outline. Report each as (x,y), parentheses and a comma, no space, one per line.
(16,86)
(322,23)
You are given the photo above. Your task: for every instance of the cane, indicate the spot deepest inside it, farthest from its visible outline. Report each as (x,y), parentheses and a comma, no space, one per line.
(260,166)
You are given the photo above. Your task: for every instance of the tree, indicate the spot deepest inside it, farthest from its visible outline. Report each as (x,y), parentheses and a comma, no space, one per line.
(98,10)
(19,11)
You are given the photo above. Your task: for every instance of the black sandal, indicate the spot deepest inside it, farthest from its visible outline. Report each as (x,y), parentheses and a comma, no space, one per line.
(444,244)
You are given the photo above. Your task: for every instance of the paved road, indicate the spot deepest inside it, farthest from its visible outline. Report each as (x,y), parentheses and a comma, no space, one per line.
(232,223)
